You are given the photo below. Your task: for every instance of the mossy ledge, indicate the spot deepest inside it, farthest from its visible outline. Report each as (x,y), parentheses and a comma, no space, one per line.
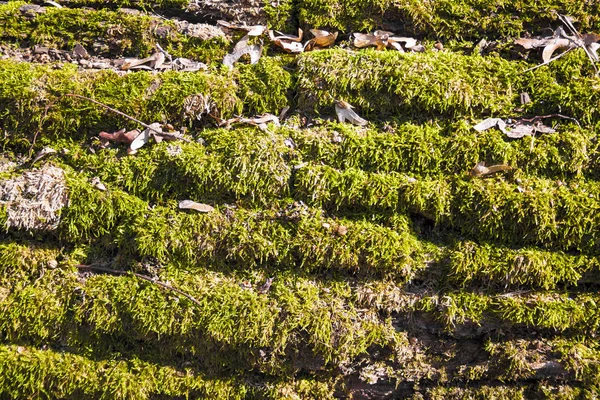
(395,273)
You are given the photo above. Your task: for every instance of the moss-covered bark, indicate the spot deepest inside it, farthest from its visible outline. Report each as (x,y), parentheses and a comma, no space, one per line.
(396,274)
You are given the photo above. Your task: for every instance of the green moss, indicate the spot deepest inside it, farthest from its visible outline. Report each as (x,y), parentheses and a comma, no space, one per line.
(120,32)
(426,85)
(446,19)
(532,211)
(28,371)
(281,15)
(486,264)
(264,86)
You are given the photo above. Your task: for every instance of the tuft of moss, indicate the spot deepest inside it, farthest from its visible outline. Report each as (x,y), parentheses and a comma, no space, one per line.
(445,19)
(106,32)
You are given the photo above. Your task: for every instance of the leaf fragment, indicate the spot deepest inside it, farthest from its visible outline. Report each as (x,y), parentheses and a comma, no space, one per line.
(481,170)
(290,44)
(242,48)
(192,205)
(345,112)
(251,30)
(321,39)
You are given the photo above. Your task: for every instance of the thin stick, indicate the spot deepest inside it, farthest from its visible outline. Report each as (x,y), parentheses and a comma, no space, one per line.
(160,133)
(537,118)
(156,131)
(574,32)
(140,276)
(550,60)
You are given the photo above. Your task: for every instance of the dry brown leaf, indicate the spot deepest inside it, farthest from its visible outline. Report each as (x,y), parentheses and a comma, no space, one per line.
(283,36)
(514,129)
(364,40)
(251,30)
(144,137)
(344,112)
(290,44)
(119,136)
(321,39)
(552,46)
(132,63)
(258,121)
(192,205)
(242,48)
(97,183)
(43,153)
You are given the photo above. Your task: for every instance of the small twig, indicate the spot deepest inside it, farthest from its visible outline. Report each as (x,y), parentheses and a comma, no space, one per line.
(538,117)
(140,276)
(156,131)
(167,55)
(575,33)
(550,60)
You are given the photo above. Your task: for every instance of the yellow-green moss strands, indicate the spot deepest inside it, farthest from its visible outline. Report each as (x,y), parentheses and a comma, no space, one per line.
(493,266)
(29,371)
(528,211)
(243,164)
(264,86)
(445,19)
(141,4)
(411,85)
(430,84)
(26,90)
(296,315)
(282,238)
(539,310)
(120,32)
(438,147)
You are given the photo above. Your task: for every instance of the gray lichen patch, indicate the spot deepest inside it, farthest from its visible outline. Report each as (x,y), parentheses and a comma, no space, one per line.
(33,199)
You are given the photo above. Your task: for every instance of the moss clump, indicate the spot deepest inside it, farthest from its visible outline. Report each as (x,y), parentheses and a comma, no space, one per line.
(105,31)
(28,371)
(265,86)
(446,19)
(528,211)
(472,264)
(438,147)
(432,84)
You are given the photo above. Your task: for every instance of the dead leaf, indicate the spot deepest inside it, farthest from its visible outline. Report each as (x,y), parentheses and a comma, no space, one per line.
(144,137)
(251,30)
(514,129)
(192,205)
(344,112)
(97,183)
(552,46)
(260,121)
(321,39)
(264,289)
(283,36)
(490,123)
(288,43)
(43,153)
(119,136)
(364,40)
(187,65)
(242,48)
